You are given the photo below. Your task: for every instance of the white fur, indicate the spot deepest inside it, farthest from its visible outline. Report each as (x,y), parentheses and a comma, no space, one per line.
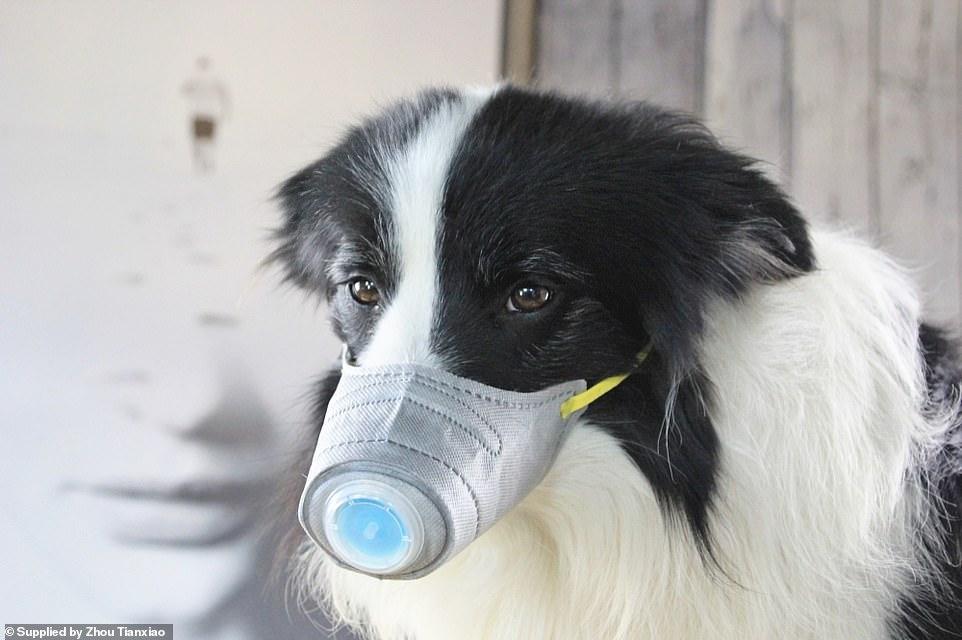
(417,175)
(819,409)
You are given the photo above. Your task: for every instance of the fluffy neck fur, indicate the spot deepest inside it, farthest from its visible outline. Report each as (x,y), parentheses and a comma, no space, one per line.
(819,405)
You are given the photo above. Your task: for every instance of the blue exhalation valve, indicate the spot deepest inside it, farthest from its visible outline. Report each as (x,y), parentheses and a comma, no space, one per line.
(372,526)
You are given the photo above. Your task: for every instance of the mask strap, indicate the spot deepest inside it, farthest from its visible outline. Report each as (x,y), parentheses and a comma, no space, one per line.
(581,400)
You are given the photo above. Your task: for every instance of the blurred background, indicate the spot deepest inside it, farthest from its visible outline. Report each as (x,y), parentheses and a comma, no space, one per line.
(154,380)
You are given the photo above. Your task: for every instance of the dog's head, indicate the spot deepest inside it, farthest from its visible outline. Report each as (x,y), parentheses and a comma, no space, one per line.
(522,239)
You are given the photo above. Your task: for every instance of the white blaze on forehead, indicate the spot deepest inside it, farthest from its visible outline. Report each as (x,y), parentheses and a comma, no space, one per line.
(417,174)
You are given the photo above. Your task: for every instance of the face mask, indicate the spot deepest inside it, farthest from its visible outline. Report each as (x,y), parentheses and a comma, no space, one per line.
(414,463)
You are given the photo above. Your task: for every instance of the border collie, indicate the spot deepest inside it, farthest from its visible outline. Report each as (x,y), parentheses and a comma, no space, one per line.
(787,463)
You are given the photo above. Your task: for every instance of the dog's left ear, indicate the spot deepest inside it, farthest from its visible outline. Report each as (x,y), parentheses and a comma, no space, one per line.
(701,223)
(711,226)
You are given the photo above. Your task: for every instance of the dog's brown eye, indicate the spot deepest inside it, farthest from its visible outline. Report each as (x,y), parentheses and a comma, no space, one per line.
(364,291)
(528,297)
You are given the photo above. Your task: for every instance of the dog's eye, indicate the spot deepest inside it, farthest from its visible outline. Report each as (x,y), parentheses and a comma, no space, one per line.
(364,291)
(527,298)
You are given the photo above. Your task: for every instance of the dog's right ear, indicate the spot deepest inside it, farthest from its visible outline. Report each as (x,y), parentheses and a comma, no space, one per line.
(307,236)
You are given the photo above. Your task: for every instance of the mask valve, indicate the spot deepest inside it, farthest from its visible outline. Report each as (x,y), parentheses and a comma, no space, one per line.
(375,523)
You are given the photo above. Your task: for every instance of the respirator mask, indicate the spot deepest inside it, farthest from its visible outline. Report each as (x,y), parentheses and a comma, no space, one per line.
(413,463)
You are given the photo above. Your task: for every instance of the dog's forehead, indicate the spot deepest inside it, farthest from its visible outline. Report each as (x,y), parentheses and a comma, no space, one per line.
(447,165)
(475,196)
(410,182)
(482,173)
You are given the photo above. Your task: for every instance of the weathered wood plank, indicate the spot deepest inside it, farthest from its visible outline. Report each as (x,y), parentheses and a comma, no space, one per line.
(833,115)
(519,48)
(958,138)
(918,138)
(574,45)
(660,55)
(747,94)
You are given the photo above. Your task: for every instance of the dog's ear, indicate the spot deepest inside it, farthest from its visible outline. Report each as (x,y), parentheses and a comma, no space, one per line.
(307,236)
(703,224)
(344,195)
(710,225)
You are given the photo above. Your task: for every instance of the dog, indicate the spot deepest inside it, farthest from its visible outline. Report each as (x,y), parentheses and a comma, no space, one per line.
(786,463)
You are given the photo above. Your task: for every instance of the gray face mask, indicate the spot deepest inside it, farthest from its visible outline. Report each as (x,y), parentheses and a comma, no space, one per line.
(414,463)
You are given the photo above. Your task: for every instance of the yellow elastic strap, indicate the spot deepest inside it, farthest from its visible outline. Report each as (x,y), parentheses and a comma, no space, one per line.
(581,400)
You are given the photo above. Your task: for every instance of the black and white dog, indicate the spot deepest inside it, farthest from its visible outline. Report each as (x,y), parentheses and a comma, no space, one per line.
(786,464)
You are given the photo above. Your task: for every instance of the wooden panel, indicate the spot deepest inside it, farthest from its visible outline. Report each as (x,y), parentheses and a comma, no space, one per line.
(958,142)
(575,44)
(747,94)
(918,144)
(518,49)
(834,111)
(660,54)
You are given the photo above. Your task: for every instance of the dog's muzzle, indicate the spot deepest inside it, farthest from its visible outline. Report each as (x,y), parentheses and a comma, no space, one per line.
(414,463)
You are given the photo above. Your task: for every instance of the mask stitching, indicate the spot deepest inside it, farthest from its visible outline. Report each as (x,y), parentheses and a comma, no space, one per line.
(474,498)
(498,401)
(362,386)
(348,392)
(370,403)
(497,434)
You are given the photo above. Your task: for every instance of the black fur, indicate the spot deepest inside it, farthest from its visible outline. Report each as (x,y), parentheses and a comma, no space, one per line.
(935,611)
